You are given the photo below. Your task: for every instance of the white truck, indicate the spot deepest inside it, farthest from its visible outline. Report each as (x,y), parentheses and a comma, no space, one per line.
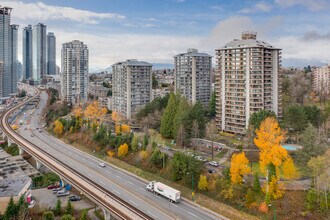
(159,188)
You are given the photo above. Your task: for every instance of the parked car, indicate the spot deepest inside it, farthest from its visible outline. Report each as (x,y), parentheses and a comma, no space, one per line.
(55,190)
(74,198)
(102,164)
(211,171)
(53,186)
(167,148)
(32,204)
(200,158)
(214,163)
(62,193)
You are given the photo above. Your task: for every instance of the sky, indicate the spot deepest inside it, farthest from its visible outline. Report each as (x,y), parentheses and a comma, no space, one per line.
(156,30)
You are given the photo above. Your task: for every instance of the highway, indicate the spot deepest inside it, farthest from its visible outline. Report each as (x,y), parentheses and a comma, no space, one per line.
(122,184)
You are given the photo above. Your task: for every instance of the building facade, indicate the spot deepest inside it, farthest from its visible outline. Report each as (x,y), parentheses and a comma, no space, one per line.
(39,52)
(131,86)
(51,54)
(192,75)
(321,80)
(74,76)
(8,53)
(247,80)
(27,52)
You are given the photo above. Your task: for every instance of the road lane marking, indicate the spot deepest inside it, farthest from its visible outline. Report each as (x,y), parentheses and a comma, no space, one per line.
(130,182)
(90,162)
(143,188)
(152,214)
(116,192)
(133,202)
(101,182)
(192,214)
(118,176)
(108,171)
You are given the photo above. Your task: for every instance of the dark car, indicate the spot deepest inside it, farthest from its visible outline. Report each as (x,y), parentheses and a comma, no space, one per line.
(211,171)
(53,187)
(74,198)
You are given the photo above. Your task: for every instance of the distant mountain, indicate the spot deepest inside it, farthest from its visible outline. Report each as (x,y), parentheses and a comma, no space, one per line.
(157,66)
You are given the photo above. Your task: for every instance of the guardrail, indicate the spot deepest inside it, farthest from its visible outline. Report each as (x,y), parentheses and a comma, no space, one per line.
(98,193)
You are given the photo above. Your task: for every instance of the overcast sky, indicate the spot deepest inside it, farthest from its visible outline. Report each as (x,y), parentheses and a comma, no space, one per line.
(156,30)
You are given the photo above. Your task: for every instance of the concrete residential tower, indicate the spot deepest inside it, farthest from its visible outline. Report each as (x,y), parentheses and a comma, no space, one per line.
(27,52)
(39,55)
(247,80)
(131,86)
(51,54)
(192,75)
(8,53)
(74,78)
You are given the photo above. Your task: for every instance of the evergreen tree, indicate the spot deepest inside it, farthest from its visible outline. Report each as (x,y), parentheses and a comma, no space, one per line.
(58,207)
(166,127)
(250,198)
(257,117)
(84,215)
(134,143)
(11,210)
(67,217)
(49,215)
(197,114)
(256,183)
(69,210)
(181,115)
(145,141)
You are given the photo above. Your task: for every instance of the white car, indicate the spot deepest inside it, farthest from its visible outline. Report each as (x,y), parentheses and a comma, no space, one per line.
(102,164)
(214,163)
(200,158)
(32,204)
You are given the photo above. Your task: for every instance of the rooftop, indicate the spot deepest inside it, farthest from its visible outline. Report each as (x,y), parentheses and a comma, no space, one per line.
(13,186)
(132,62)
(191,52)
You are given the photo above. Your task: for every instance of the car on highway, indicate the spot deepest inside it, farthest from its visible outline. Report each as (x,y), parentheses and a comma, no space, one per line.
(53,186)
(63,192)
(74,198)
(214,163)
(101,164)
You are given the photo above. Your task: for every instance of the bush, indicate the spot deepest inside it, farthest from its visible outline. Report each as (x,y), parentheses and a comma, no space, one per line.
(67,217)
(58,207)
(49,215)
(311,200)
(250,198)
(69,210)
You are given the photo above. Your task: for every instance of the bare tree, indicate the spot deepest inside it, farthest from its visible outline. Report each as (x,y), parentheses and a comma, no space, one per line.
(211,131)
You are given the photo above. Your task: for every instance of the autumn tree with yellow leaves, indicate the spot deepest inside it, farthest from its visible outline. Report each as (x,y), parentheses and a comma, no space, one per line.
(123,150)
(93,111)
(202,183)
(58,128)
(238,167)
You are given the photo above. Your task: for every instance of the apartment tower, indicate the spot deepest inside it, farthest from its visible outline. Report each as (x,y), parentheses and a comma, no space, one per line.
(74,78)
(27,53)
(192,75)
(321,80)
(39,55)
(51,54)
(8,53)
(131,86)
(247,80)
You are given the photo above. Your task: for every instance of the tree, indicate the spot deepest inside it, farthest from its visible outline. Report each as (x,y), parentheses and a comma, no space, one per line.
(312,145)
(125,129)
(93,111)
(289,170)
(256,183)
(123,150)
(135,143)
(114,117)
(317,165)
(258,117)
(48,215)
(295,118)
(154,81)
(84,214)
(179,166)
(58,207)
(238,167)
(212,105)
(314,115)
(249,197)
(274,189)
(197,114)
(181,115)
(166,127)
(11,210)
(145,141)
(69,210)
(202,183)
(301,87)
(67,217)
(158,158)
(58,128)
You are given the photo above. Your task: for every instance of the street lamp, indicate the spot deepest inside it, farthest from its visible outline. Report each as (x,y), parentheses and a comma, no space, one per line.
(192,187)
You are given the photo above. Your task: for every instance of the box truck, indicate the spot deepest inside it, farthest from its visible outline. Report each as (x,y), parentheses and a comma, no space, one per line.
(159,188)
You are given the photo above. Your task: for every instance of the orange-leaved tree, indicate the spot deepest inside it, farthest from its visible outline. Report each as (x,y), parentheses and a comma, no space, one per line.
(78,112)
(123,150)
(238,167)
(58,128)
(269,138)
(93,111)
(122,129)
(289,170)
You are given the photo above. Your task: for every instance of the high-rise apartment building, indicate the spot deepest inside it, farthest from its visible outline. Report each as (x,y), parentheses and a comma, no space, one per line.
(192,75)
(39,55)
(27,52)
(74,76)
(321,79)
(51,54)
(247,80)
(131,86)
(8,53)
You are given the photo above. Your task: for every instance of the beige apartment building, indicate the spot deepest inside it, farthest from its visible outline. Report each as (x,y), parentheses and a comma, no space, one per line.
(321,79)
(247,80)
(131,86)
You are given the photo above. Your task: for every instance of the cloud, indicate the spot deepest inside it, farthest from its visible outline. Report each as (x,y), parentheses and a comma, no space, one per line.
(217,7)
(43,12)
(259,7)
(314,36)
(313,5)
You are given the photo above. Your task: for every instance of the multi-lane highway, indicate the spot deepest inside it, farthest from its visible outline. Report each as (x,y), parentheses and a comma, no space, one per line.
(124,185)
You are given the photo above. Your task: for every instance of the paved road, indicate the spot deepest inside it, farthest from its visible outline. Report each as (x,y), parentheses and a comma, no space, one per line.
(124,185)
